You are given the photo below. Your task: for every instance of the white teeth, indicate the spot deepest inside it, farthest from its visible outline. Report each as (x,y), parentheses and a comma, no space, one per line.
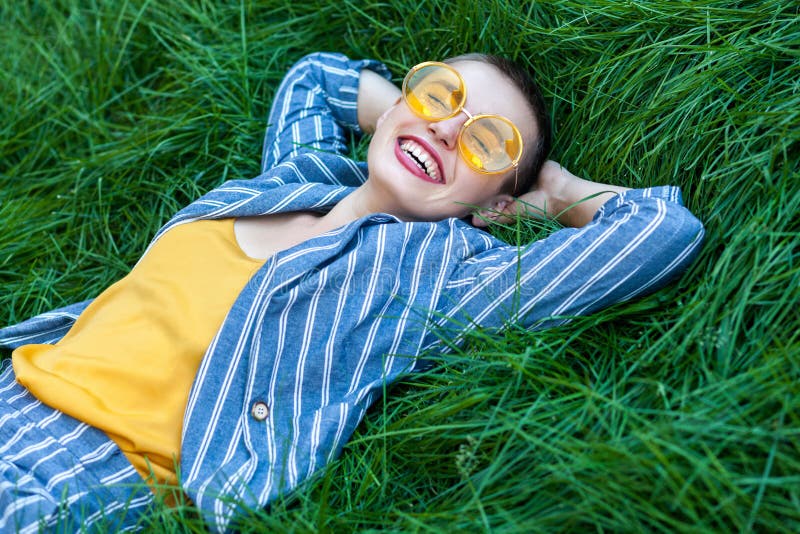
(423,160)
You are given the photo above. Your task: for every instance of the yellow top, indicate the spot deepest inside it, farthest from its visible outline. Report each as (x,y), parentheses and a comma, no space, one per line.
(128,362)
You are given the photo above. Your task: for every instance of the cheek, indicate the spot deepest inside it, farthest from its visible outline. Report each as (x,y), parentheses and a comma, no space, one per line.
(475,185)
(382,118)
(392,116)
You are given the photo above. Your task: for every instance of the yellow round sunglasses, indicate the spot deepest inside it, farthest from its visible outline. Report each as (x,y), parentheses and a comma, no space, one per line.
(490,144)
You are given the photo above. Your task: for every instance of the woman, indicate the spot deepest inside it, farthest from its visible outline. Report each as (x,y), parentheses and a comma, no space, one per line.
(266,316)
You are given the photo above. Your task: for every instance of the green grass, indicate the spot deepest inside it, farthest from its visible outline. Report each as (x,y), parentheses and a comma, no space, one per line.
(678,412)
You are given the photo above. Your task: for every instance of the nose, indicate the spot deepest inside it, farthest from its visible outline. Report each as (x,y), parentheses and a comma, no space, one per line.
(446,131)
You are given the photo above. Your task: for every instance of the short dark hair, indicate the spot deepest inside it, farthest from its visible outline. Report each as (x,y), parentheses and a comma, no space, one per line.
(536,151)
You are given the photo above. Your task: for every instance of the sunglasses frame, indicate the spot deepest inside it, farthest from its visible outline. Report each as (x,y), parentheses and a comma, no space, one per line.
(470,117)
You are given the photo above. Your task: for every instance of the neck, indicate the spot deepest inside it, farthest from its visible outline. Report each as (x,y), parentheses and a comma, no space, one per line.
(363,201)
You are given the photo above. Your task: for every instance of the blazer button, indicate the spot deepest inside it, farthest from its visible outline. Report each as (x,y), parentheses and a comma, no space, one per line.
(260,411)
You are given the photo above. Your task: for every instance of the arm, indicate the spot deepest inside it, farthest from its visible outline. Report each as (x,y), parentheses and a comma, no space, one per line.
(376,95)
(315,106)
(622,244)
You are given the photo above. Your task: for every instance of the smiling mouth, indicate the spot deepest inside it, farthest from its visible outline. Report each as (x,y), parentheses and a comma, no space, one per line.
(419,159)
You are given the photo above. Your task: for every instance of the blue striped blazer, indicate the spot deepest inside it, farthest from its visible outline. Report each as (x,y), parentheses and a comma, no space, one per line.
(322,327)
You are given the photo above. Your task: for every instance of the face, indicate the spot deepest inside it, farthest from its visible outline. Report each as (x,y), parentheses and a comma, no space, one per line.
(417,164)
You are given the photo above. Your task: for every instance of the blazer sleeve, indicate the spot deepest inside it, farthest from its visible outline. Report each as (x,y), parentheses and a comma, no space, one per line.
(314,107)
(636,243)
(46,328)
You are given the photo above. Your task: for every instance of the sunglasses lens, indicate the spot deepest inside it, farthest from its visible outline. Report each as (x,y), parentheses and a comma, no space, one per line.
(434,92)
(490,144)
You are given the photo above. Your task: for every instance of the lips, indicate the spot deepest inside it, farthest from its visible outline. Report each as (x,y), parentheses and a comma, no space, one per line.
(420,159)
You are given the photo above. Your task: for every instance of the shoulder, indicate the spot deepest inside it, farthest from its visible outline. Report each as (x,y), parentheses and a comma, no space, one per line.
(317,167)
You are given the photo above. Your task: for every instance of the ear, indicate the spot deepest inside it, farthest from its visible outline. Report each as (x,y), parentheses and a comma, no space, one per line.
(385,113)
(499,207)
